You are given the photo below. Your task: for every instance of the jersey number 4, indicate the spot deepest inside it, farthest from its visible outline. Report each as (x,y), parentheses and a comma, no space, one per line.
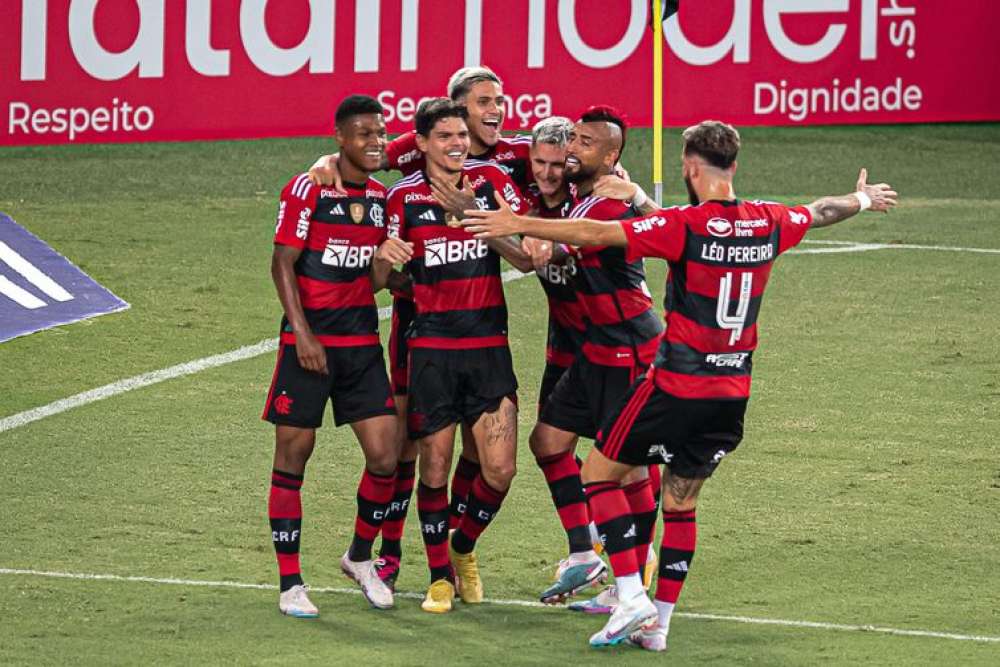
(734,322)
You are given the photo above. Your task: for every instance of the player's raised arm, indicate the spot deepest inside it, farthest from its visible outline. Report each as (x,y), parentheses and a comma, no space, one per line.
(573,231)
(831,210)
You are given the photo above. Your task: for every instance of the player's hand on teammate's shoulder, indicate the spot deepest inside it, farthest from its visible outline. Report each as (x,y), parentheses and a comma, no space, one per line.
(453,199)
(882,195)
(311,353)
(325,171)
(394,251)
(615,187)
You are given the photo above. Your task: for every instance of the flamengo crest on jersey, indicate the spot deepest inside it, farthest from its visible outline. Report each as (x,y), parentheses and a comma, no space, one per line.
(720,256)
(338,235)
(456,278)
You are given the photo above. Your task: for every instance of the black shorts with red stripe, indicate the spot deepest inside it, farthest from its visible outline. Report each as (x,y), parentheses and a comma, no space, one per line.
(690,436)
(403,312)
(357,386)
(452,386)
(584,395)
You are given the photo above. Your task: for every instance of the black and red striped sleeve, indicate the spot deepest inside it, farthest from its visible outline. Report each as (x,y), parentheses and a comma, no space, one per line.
(659,234)
(295,209)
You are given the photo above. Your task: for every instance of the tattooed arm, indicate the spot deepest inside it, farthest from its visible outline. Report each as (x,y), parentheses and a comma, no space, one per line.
(831,210)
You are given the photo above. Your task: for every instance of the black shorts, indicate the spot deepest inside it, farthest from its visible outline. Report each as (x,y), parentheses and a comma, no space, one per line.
(585,395)
(403,312)
(691,436)
(357,385)
(549,379)
(451,386)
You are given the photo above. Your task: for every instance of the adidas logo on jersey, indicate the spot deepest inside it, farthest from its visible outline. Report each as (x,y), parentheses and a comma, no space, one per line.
(428,215)
(337,210)
(679,566)
(631,532)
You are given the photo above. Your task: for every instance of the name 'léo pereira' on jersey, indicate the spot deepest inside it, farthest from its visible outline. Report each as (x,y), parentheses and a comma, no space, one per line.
(720,255)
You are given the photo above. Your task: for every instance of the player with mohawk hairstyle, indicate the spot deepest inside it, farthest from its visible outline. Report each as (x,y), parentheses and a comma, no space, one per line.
(618,341)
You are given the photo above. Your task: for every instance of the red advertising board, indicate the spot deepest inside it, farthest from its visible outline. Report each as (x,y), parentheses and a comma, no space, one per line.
(143,70)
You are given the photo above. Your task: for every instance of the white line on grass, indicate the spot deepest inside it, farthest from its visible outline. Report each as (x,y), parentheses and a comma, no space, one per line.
(514,603)
(155,377)
(265,346)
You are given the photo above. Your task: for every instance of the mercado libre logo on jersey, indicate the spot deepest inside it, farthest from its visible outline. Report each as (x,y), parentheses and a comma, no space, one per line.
(719,227)
(41,289)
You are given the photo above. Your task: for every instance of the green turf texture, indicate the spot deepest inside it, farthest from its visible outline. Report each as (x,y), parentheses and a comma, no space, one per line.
(867,490)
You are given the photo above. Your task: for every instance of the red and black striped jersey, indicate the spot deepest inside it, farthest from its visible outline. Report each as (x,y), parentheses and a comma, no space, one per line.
(512,154)
(720,255)
(566,314)
(456,278)
(338,235)
(622,328)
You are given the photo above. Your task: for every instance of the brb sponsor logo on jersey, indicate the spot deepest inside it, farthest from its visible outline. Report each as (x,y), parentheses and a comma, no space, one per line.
(342,254)
(438,252)
(558,274)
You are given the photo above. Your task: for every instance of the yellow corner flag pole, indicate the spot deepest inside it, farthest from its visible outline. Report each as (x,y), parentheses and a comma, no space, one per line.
(658,102)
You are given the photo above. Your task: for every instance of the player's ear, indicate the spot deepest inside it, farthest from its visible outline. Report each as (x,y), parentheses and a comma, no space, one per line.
(421,142)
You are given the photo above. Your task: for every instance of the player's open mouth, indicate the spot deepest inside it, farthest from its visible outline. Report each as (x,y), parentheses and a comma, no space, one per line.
(572,161)
(374,154)
(492,123)
(455,155)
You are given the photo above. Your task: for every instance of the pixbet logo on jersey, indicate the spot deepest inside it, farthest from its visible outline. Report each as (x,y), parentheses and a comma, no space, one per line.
(343,255)
(449,252)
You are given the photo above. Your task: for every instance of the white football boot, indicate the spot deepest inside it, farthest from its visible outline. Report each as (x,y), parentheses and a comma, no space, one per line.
(629,616)
(650,638)
(295,602)
(365,574)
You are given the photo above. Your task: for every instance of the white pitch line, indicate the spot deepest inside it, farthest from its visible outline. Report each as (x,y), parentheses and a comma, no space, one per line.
(155,377)
(265,346)
(858,246)
(815,625)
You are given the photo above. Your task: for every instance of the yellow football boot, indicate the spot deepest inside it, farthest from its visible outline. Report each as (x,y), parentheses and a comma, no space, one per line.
(470,586)
(439,598)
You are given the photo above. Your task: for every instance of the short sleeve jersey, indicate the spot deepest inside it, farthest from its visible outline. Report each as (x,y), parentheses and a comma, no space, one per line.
(338,235)
(720,255)
(622,327)
(456,278)
(512,154)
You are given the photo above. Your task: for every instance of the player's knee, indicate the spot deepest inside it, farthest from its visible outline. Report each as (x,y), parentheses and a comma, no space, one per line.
(383,463)
(499,475)
(670,504)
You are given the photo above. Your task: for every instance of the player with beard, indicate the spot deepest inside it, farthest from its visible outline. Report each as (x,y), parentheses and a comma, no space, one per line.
(618,342)
(460,367)
(687,411)
(330,351)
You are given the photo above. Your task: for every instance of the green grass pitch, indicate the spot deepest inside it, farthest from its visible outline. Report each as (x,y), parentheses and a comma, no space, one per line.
(866,492)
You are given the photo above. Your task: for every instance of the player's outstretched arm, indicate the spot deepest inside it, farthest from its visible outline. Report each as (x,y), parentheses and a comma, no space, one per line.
(831,210)
(573,231)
